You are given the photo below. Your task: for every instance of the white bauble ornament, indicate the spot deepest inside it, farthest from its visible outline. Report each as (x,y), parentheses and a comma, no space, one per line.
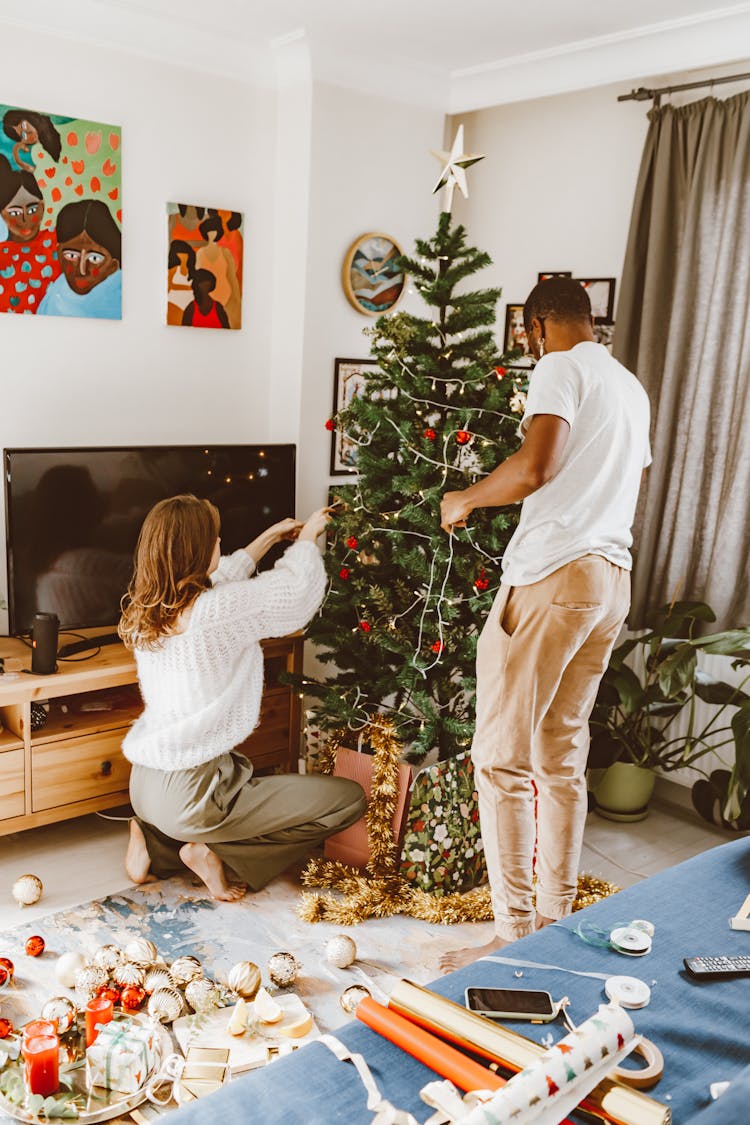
(244,979)
(27,890)
(283,969)
(88,980)
(141,951)
(67,967)
(61,1011)
(352,996)
(106,957)
(165,1005)
(156,979)
(128,973)
(185,969)
(341,951)
(202,995)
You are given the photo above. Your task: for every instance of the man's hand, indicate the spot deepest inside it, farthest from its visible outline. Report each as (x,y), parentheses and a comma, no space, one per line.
(454,508)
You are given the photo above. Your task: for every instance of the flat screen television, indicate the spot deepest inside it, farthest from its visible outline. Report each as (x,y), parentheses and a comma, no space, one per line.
(73,517)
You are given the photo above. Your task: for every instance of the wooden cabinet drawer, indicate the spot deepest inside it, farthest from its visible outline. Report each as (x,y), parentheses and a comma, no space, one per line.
(75,769)
(11,784)
(272,732)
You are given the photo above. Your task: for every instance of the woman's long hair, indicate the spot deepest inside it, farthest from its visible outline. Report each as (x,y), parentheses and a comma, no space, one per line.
(172,558)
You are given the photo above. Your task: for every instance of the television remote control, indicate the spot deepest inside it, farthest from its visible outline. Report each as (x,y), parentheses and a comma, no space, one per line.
(716,968)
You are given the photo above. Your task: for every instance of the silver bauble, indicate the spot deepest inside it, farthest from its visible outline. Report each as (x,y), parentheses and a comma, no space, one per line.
(67,967)
(27,890)
(244,979)
(141,951)
(185,969)
(61,1011)
(283,969)
(202,995)
(352,996)
(88,980)
(107,957)
(156,979)
(341,951)
(128,973)
(165,1005)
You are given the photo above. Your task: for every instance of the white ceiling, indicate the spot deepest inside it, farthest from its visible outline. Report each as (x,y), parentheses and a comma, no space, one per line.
(448,53)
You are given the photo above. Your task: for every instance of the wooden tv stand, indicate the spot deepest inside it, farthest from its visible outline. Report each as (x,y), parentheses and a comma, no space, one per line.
(73,765)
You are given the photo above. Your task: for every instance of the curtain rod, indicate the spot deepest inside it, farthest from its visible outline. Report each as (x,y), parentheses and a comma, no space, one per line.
(644,95)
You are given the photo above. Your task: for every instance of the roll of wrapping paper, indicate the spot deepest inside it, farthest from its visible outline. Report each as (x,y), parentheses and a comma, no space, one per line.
(428,1049)
(610,1100)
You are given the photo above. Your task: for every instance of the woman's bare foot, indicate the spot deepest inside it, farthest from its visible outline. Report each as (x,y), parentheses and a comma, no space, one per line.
(210,870)
(137,859)
(458,958)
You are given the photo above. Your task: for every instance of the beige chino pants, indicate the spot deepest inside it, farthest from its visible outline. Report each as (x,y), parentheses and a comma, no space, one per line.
(540,658)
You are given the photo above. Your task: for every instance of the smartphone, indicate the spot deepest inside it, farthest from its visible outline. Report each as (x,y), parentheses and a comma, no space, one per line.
(512,1004)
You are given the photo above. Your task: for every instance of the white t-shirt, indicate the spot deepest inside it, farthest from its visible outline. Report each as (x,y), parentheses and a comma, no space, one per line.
(588,506)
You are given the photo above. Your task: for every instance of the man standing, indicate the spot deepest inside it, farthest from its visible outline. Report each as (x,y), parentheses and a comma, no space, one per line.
(564,598)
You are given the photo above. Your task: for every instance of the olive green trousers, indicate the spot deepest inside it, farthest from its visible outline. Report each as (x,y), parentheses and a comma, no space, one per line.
(257,826)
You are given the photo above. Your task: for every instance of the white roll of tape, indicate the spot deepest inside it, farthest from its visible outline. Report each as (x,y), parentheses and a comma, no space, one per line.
(643,924)
(628,992)
(627,940)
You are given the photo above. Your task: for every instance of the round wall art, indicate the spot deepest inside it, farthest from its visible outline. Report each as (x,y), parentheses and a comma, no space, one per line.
(372,282)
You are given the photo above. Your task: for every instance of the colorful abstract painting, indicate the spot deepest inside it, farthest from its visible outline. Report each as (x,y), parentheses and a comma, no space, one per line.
(371,275)
(60,215)
(204,267)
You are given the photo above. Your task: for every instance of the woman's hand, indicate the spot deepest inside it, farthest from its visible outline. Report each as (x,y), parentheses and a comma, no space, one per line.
(454,508)
(315,525)
(284,529)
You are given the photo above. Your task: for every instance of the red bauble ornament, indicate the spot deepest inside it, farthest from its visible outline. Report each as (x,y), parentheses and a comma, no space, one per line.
(352,542)
(429,433)
(7,964)
(499,371)
(344,573)
(109,992)
(437,646)
(463,437)
(330,425)
(132,997)
(6,1028)
(4,977)
(34,946)
(365,626)
(482,581)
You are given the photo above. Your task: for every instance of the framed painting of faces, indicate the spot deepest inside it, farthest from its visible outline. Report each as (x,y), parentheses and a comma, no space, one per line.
(204,266)
(601,291)
(60,215)
(515,331)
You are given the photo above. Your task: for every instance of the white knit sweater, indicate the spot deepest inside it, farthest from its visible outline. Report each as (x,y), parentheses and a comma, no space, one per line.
(202,688)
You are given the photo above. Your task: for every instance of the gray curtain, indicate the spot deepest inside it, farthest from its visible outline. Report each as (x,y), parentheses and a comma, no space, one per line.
(683,326)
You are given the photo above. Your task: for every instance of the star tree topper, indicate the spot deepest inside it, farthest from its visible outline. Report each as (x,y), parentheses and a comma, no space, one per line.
(454,171)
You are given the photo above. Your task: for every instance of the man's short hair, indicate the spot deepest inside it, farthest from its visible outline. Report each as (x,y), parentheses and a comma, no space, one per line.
(559,298)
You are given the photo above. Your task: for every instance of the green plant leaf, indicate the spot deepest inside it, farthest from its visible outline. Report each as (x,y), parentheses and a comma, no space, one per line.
(678,670)
(741,732)
(629,689)
(671,619)
(730,643)
(718,692)
(604,751)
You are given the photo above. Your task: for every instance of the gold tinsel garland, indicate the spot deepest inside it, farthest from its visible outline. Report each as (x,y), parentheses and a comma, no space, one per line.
(381,890)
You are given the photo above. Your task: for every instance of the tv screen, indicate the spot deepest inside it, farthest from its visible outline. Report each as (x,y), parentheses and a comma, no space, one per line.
(73,517)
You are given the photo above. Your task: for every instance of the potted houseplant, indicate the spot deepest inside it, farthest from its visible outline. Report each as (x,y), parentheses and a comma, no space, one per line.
(651,680)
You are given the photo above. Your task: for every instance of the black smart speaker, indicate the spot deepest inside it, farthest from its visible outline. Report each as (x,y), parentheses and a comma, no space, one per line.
(44,629)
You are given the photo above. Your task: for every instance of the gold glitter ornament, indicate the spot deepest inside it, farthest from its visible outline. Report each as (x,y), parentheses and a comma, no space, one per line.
(352,996)
(27,890)
(61,1012)
(129,974)
(67,967)
(244,979)
(283,969)
(107,957)
(88,980)
(165,1005)
(185,969)
(202,994)
(142,952)
(341,951)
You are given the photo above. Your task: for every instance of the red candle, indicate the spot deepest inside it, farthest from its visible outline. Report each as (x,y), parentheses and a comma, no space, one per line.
(38,1028)
(98,1010)
(41,1057)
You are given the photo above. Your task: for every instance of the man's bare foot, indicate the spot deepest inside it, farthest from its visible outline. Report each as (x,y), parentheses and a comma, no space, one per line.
(137,859)
(542,920)
(210,870)
(459,958)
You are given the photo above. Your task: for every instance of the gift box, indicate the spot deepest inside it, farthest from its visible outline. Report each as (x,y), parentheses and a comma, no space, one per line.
(122,1057)
(206,1070)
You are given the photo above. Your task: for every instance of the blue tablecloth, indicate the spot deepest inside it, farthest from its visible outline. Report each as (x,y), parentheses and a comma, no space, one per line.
(702,1028)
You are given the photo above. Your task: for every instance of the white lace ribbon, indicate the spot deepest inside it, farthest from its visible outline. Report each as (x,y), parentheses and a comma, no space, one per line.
(385,1113)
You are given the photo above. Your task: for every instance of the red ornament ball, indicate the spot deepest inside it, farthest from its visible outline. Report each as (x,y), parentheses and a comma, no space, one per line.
(6,1028)
(499,371)
(365,626)
(109,992)
(330,425)
(34,946)
(132,997)
(463,437)
(437,646)
(4,977)
(352,542)
(429,433)
(482,581)
(7,964)
(344,573)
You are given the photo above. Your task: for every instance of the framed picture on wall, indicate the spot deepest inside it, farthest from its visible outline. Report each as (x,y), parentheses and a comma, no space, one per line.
(348,383)
(372,281)
(553,273)
(515,332)
(601,291)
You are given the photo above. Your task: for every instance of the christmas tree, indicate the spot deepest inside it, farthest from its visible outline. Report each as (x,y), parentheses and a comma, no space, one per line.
(406,602)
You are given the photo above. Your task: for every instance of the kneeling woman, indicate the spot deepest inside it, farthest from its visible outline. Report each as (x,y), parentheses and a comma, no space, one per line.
(195,621)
